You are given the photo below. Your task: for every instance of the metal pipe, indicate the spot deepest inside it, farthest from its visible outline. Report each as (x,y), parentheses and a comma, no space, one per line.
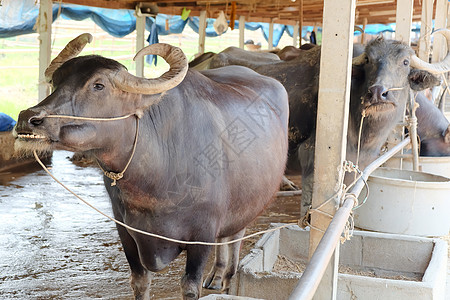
(288,193)
(308,283)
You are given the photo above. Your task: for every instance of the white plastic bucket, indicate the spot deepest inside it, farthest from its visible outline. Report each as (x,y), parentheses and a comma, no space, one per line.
(406,202)
(433,165)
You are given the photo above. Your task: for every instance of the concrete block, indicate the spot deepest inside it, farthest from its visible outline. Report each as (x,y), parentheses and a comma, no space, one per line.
(351,252)
(387,254)
(226,297)
(269,244)
(294,243)
(394,254)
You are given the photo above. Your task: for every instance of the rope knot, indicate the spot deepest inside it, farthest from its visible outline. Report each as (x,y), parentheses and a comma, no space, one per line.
(113,176)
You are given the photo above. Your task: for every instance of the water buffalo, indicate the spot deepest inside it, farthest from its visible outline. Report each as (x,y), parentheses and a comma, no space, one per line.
(433,128)
(382,78)
(210,152)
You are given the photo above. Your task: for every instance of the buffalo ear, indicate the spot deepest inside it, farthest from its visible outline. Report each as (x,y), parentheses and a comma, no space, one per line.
(420,80)
(447,135)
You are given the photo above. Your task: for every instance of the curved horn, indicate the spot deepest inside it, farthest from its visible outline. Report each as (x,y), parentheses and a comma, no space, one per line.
(357,28)
(72,49)
(438,67)
(177,61)
(359,60)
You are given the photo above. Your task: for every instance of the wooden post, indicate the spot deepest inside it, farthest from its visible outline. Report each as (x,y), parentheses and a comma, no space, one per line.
(425,29)
(202,32)
(363,34)
(140,39)
(332,123)
(45,46)
(404,21)
(300,20)
(295,36)
(241,31)
(270,41)
(440,21)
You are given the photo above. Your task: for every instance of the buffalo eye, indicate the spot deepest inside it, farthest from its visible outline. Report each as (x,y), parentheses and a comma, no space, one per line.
(98,86)
(406,62)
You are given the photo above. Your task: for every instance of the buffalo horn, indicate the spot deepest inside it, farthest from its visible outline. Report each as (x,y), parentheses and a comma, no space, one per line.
(438,67)
(359,60)
(357,28)
(72,49)
(178,68)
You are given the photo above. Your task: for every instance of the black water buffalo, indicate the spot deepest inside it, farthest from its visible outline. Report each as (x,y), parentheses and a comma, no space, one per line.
(382,78)
(210,151)
(433,128)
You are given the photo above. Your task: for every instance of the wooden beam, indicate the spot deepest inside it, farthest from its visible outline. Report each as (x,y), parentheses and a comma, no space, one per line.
(241,31)
(270,40)
(404,14)
(300,20)
(331,128)
(45,45)
(295,36)
(140,39)
(440,21)
(202,32)
(363,34)
(426,28)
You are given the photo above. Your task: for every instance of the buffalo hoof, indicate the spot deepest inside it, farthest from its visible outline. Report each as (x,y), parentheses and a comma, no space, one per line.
(190,296)
(213,282)
(287,185)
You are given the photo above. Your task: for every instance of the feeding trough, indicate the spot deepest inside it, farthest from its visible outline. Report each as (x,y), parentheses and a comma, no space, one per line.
(372,266)
(406,202)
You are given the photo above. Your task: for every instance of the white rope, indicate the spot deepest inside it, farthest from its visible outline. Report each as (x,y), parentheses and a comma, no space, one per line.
(90,118)
(153,234)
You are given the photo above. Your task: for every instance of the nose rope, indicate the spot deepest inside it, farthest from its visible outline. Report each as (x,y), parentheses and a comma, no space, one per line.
(111,175)
(91,118)
(363,115)
(395,89)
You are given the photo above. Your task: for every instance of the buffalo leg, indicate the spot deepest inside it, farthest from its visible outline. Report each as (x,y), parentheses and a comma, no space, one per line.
(233,260)
(214,279)
(306,158)
(141,278)
(225,263)
(191,283)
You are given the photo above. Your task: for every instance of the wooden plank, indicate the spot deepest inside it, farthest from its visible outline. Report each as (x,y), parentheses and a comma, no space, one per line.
(140,39)
(295,36)
(270,39)
(241,31)
(331,128)
(440,21)
(425,29)
(202,32)
(45,47)
(404,20)
(300,20)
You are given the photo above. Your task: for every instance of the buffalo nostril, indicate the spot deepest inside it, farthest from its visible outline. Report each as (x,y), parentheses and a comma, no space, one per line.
(36,121)
(378,92)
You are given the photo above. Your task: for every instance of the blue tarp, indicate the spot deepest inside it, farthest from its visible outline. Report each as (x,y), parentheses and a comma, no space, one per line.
(6,122)
(19,17)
